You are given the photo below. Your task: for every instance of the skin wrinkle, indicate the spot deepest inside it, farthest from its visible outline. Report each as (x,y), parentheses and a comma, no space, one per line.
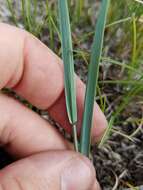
(2,186)
(30,39)
(4,137)
(54,103)
(18,183)
(60,62)
(15,184)
(33,183)
(7,134)
(13,81)
(10,138)
(22,64)
(12,53)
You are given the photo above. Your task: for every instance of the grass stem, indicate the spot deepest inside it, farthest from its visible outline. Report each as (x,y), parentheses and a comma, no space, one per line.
(75,138)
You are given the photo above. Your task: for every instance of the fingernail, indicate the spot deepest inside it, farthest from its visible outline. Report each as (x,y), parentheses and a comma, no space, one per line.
(78,174)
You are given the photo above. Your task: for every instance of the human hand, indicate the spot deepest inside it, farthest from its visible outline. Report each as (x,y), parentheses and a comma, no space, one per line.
(44,159)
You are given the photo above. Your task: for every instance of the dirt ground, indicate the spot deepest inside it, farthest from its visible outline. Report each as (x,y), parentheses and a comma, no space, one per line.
(119,163)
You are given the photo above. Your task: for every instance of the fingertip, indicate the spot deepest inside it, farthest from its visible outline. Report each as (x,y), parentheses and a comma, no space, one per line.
(99,124)
(79,173)
(96,186)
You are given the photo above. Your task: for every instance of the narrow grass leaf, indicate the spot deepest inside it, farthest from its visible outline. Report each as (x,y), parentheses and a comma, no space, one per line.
(79,7)
(28,14)
(134,40)
(124,82)
(138,129)
(92,78)
(122,134)
(118,22)
(107,132)
(24,13)
(122,64)
(11,9)
(69,76)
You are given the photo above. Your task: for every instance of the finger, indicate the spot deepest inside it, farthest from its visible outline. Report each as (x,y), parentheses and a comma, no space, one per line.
(24,132)
(47,171)
(96,186)
(36,73)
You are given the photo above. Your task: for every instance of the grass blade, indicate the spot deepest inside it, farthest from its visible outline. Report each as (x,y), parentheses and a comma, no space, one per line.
(92,78)
(69,76)
(79,7)
(107,132)
(28,14)
(134,48)
(11,9)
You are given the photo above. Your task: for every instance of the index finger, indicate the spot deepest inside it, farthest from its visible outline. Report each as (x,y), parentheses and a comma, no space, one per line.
(36,73)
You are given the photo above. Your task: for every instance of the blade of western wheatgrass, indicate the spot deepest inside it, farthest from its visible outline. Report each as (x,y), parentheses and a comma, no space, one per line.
(92,79)
(69,76)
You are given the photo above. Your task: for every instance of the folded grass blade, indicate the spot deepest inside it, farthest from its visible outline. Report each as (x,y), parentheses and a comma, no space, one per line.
(92,78)
(69,76)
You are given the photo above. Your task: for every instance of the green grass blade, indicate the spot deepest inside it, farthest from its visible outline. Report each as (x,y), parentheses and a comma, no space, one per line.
(118,22)
(24,13)
(67,54)
(79,7)
(107,132)
(134,51)
(92,78)
(11,9)
(28,15)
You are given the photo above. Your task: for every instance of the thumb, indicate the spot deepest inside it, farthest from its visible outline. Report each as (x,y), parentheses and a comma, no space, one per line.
(54,170)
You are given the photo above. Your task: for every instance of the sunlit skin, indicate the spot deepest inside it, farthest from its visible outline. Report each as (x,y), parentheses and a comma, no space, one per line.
(44,159)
